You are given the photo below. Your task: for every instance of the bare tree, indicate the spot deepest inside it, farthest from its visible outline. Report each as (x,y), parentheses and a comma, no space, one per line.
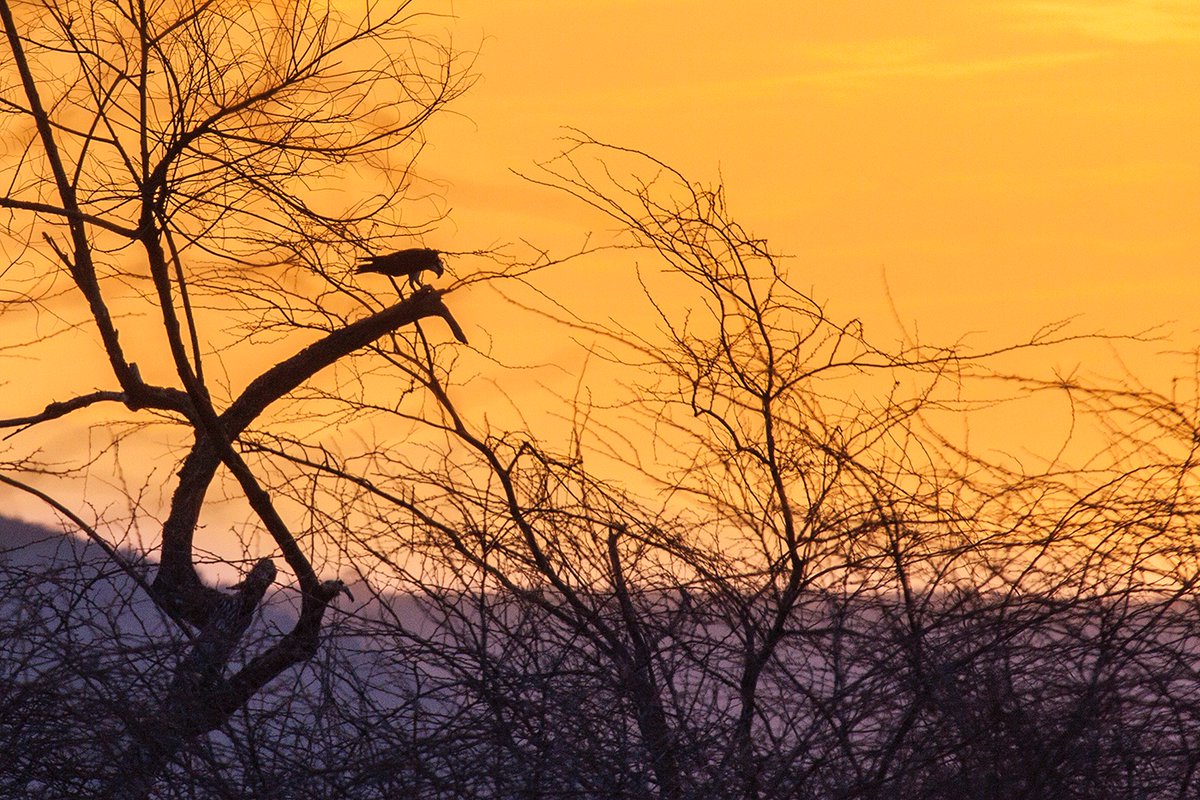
(825,596)
(164,156)
(764,571)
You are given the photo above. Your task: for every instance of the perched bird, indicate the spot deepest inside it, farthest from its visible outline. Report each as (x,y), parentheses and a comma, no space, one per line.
(335,587)
(404,263)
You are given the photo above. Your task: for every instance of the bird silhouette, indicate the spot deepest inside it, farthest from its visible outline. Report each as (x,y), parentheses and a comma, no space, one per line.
(404,263)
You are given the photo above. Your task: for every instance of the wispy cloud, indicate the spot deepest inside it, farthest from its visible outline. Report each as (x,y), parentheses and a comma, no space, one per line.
(930,66)
(860,66)
(864,65)
(1143,21)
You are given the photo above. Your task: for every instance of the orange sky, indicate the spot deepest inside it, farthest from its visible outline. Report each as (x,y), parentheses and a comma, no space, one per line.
(998,164)
(1003,163)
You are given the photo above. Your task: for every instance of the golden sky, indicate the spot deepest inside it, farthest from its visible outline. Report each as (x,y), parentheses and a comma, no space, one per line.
(977,167)
(998,164)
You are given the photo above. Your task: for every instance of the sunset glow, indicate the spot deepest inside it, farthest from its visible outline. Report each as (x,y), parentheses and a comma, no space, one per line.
(599,399)
(998,164)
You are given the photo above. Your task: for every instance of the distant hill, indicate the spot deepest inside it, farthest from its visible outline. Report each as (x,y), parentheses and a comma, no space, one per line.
(27,548)
(484,696)
(25,542)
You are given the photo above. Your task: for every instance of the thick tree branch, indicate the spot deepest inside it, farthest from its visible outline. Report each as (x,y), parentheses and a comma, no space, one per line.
(61,409)
(143,396)
(70,214)
(177,577)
